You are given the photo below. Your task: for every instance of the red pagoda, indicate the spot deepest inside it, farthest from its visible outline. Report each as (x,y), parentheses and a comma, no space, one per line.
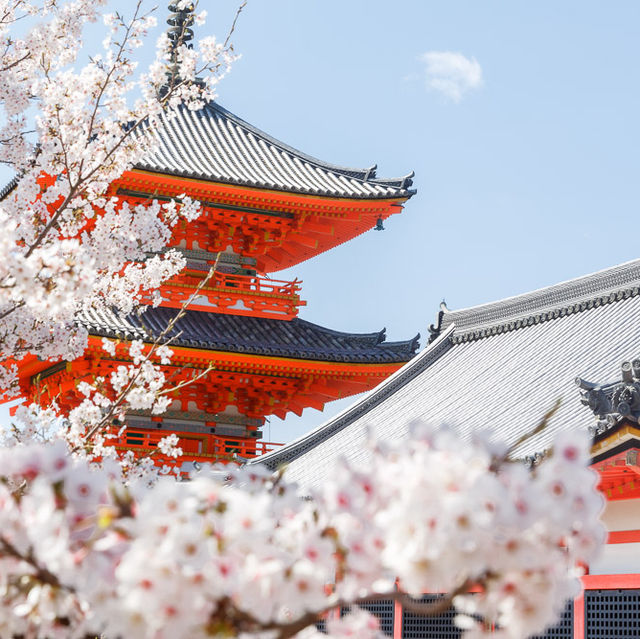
(266,207)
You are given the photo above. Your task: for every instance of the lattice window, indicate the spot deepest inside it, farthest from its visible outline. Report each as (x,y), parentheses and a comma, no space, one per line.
(135,439)
(440,627)
(564,628)
(382,609)
(612,614)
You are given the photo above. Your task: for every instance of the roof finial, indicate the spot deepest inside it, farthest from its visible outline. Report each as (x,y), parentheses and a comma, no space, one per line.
(180,21)
(436,329)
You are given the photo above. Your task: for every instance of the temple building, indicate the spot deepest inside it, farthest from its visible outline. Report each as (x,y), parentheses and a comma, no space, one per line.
(266,207)
(501,366)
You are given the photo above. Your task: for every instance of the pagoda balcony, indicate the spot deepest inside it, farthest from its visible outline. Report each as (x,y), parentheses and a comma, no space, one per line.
(203,449)
(234,294)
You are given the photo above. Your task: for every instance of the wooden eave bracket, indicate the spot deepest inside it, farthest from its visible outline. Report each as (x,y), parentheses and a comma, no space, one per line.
(631,460)
(620,475)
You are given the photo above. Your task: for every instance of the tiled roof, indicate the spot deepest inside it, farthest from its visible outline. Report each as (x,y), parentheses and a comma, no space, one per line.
(214,144)
(8,187)
(574,296)
(497,366)
(252,335)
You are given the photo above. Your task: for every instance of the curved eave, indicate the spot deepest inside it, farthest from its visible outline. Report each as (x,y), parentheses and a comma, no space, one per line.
(337,220)
(399,195)
(271,364)
(344,378)
(211,188)
(292,339)
(498,376)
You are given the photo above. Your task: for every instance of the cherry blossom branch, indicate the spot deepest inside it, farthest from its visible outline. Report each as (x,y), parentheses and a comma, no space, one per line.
(159,340)
(233,24)
(118,58)
(243,620)
(43,575)
(251,555)
(188,382)
(424,609)
(15,63)
(542,425)
(132,127)
(536,430)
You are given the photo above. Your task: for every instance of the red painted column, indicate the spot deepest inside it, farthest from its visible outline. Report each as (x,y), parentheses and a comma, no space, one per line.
(578,617)
(397,620)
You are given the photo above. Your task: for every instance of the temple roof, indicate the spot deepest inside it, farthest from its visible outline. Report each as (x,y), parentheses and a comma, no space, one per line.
(214,144)
(495,367)
(295,338)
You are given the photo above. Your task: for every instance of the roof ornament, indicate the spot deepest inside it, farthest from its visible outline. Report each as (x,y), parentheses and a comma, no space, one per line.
(180,32)
(615,402)
(435,330)
(379,225)
(407,180)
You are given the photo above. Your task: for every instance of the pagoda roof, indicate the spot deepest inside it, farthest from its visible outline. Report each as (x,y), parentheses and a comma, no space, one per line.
(496,367)
(294,338)
(215,145)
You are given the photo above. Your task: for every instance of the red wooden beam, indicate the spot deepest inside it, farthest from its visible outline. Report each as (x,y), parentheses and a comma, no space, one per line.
(611,582)
(623,536)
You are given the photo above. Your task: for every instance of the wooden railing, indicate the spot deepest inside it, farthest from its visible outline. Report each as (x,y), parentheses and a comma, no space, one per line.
(235,294)
(195,447)
(256,284)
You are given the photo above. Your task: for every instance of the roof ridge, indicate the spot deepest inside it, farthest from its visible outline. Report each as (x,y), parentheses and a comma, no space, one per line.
(413,342)
(575,295)
(368,174)
(403,181)
(336,333)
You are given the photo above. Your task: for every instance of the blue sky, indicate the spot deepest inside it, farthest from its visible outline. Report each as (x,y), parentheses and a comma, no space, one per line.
(530,178)
(527,180)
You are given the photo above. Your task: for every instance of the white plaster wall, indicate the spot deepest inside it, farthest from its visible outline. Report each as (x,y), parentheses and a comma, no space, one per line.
(622,515)
(617,559)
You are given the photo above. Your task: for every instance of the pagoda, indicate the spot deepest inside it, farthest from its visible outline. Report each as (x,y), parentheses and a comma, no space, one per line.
(241,353)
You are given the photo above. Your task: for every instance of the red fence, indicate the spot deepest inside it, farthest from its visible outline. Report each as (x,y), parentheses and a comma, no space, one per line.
(195,447)
(237,294)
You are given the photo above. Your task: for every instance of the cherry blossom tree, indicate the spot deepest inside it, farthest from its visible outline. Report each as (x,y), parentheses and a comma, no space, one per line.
(92,545)
(241,552)
(68,245)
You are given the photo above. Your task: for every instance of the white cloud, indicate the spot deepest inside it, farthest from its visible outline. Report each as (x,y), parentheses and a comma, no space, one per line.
(451,74)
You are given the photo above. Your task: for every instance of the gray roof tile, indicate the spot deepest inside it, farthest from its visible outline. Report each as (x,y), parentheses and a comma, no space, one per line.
(294,338)
(502,379)
(214,144)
